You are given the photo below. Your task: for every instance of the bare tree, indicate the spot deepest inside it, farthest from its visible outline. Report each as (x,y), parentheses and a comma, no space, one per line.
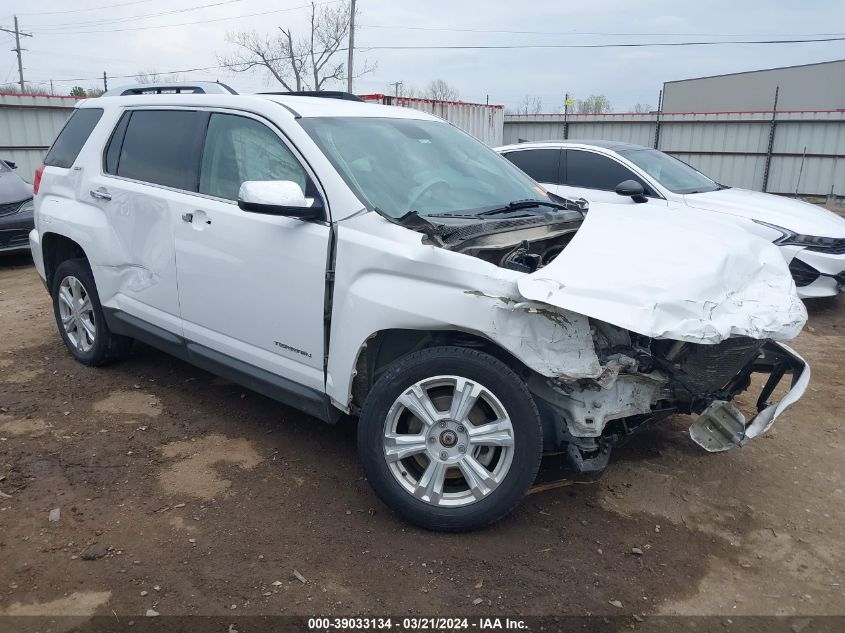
(642,108)
(298,63)
(594,104)
(439,90)
(530,105)
(152,76)
(16,89)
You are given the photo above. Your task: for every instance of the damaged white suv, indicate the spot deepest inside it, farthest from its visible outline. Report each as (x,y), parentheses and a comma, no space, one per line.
(351,258)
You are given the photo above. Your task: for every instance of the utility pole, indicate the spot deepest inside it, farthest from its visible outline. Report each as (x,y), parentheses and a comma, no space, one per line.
(396,85)
(105,82)
(351,45)
(17,32)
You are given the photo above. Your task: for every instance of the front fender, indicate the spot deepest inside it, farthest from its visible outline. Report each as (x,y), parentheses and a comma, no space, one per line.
(386,278)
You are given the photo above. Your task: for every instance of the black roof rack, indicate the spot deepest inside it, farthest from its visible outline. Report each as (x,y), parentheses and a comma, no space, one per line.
(197,87)
(325,94)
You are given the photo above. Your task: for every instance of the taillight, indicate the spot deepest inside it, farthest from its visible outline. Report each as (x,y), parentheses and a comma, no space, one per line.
(37,181)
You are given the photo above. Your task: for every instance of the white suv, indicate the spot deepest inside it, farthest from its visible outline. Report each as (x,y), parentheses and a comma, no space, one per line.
(347,258)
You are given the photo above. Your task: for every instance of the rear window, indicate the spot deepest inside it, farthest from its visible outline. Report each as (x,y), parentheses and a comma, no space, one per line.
(72,137)
(159,147)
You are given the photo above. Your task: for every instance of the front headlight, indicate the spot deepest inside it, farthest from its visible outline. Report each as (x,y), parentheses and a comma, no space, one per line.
(788,238)
(28,206)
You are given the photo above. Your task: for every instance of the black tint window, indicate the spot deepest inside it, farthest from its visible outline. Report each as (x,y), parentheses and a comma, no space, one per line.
(238,149)
(72,137)
(594,171)
(158,148)
(540,164)
(115,143)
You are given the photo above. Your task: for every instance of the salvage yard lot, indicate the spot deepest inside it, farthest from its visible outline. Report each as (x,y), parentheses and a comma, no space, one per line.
(186,494)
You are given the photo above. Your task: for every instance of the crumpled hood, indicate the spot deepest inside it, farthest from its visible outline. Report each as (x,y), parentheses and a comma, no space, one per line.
(664,274)
(794,215)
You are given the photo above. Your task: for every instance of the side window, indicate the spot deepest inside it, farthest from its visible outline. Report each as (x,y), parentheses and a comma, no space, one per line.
(541,164)
(72,137)
(115,143)
(238,149)
(158,147)
(594,171)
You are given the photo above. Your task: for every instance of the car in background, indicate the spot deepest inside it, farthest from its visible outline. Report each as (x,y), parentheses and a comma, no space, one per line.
(811,239)
(16,217)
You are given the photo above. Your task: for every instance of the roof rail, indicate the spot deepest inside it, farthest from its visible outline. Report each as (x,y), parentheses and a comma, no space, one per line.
(325,94)
(196,87)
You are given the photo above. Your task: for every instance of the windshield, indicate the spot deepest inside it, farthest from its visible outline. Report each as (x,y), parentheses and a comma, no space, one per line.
(430,167)
(675,175)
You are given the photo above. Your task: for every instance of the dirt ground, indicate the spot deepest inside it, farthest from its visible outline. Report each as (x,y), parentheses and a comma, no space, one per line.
(185,494)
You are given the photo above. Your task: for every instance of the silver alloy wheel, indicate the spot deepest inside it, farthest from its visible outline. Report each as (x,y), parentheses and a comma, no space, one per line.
(77,313)
(448,441)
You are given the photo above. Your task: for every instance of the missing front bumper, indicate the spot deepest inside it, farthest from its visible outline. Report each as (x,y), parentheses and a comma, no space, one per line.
(722,426)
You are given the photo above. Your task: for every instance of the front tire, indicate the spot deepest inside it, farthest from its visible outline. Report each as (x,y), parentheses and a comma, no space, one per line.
(79,316)
(450,438)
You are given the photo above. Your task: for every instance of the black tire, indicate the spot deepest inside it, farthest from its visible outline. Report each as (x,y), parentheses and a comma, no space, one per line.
(107,347)
(504,384)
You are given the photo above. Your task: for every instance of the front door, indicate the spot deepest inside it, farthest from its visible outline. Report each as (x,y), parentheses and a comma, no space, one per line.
(252,286)
(594,177)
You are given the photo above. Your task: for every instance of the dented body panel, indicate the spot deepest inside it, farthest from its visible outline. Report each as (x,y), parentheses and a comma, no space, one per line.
(389,279)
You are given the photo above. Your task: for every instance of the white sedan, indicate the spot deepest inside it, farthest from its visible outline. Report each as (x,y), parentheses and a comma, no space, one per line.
(812,239)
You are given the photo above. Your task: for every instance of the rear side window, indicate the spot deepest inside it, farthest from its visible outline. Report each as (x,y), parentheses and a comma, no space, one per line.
(159,147)
(115,143)
(594,171)
(541,164)
(72,137)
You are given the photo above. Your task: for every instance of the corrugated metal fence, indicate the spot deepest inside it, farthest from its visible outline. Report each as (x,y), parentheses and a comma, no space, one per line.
(784,152)
(28,125)
(484,122)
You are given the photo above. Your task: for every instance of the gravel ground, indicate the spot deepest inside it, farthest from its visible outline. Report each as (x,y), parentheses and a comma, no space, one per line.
(180,492)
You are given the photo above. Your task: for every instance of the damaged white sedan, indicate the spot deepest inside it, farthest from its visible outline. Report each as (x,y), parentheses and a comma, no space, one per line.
(351,258)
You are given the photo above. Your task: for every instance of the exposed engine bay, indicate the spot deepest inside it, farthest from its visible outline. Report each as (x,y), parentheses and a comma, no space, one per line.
(646,380)
(698,343)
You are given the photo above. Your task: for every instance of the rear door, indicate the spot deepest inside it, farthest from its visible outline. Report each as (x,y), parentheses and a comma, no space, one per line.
(251,285)
(149,180)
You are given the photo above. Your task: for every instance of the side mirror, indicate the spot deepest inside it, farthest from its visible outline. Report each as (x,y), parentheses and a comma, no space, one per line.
(278,197)
(631,189)
(10,164)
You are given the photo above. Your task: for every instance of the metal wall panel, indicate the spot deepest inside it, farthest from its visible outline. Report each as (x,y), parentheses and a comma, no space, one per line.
(628,132)
(28,126)
(730,147)
(484,122)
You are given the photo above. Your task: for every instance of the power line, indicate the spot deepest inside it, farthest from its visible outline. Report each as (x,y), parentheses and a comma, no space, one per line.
(162,26)
(594,33)
(107,6)
(606,45)
(131,18)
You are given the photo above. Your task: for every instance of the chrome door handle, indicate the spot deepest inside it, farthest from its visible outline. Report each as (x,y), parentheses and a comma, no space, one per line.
(188,217)
(100,193)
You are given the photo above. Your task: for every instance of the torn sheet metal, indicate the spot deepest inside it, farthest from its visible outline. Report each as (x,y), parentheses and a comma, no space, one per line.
(722,426)
(671,274)
(554,342)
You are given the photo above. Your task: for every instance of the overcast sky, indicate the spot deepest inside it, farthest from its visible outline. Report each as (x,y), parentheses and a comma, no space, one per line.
(64,46)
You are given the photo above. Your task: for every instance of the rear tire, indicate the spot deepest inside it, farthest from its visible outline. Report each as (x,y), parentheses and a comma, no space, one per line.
(80,319)
(466,448)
